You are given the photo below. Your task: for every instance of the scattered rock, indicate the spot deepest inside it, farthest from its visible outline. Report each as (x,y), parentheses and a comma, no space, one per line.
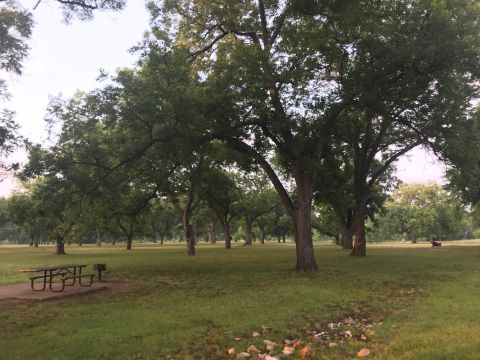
(348,334)
(306,352)
(287,342)
(270,345)
(243,355)
(237,339)
(252,349)
(268,357)
(363,353)
(255,334)
(349,321)
(231,351)
(332,345)
(288,350)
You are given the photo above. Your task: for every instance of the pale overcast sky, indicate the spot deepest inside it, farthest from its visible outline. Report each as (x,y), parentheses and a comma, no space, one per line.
(64,58)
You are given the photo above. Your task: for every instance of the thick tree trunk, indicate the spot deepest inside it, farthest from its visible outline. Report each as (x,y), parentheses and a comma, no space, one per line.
(346,238)
(262,234)
(248,230)
(345,225)
(162,238)
(226,235)
(283,237)
(129,241)
(59,246)
(302,219)
(212,233)
(360,246)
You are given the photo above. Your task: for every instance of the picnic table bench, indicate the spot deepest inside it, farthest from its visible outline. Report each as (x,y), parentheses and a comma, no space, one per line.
(66,273)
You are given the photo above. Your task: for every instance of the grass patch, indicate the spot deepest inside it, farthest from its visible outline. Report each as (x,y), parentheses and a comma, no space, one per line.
(194,307)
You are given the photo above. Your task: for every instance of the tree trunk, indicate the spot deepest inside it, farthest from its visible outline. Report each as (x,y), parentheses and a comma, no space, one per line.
(262,234)
(336,240)
(190,238)
(283,237)
(347,238)
(248,230)
(212,234)
(279,238)
(59,246)
(226,234)
(189,234)
(129,241)
(360,246)
(98,239)
(302,219)
(162,238)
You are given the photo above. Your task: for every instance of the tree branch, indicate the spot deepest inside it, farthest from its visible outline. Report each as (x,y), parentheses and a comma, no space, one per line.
(243,147)
(389,162)
(208,47)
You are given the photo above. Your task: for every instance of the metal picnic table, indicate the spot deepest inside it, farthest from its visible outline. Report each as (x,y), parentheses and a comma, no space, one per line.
(67,274)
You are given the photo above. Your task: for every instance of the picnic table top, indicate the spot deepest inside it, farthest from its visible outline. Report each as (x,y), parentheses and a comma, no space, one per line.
(52,267)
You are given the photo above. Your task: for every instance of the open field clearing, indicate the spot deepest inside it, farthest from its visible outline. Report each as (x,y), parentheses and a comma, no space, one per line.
(415,303)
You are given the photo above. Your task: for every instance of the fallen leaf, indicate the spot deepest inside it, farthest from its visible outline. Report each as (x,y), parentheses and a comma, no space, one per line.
(288,350)
(363,353)
(306,352)
(270,343)
(268,357)
(243,355)
(252,349)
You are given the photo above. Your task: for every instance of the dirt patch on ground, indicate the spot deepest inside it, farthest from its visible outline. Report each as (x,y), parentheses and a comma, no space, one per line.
(16,293)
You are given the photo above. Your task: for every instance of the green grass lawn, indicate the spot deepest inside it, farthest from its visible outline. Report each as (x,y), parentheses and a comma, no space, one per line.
(423,303)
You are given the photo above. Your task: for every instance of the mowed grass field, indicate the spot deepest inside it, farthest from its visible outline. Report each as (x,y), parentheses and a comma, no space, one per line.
(417,302)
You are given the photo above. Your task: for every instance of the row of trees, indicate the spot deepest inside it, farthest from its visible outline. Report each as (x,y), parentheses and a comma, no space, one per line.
(322,97)
(30,216)
(410,213)
(425,212)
